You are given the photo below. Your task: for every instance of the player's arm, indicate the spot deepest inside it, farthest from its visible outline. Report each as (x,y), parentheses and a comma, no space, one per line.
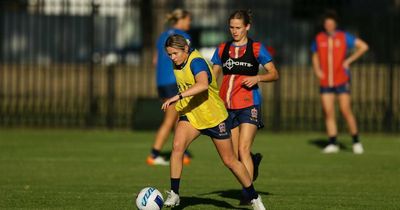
(201,85)
(216,70)
(270,76)
(217,63)
(264,58)
(316,66)
(360,48)
(155,57)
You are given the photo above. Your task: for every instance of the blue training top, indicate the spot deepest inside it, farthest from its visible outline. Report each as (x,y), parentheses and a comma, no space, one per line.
(165,72)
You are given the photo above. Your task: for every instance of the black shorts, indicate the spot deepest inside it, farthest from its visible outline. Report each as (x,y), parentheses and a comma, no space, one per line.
(221,131)
(167,91)
(250,115)
(344,88)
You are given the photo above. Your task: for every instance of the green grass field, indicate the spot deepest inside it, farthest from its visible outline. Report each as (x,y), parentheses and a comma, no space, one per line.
(70,169)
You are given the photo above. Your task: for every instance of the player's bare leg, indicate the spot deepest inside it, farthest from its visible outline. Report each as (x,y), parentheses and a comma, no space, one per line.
(235,140)
(162,135)
(328,106)
(225,151)
(247,135)
(345,108)
(185,134)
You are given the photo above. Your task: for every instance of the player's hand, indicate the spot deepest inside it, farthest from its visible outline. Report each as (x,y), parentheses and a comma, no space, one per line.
(320,74)
(170,101)
(346,64)
(250,81)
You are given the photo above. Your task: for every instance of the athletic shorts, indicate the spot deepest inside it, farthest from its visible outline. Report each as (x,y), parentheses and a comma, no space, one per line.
(167,91)
(250,115)
(345,88)
(221,131)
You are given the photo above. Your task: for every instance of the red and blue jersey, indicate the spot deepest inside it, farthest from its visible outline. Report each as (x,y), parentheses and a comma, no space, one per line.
(332,51)
(165,73)
(239,63)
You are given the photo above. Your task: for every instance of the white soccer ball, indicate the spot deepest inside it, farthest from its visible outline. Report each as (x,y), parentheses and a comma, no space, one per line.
(149,198)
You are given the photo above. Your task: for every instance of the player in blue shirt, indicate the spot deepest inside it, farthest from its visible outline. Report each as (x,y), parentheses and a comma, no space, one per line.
(180,21)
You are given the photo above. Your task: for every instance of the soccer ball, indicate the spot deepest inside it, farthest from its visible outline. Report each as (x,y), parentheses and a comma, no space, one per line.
(149,198)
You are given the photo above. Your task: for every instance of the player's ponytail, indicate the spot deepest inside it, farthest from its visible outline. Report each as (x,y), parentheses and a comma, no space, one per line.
(245,15)
(173,17)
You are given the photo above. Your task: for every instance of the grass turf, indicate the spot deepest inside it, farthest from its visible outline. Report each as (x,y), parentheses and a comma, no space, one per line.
(68,169)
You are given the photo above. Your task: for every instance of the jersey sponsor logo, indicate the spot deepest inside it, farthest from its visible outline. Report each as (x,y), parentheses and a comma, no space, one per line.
(254,114)
(222,128)
(231,63)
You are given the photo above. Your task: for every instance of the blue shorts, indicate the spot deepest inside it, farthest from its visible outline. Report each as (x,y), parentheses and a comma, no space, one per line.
(345,88)
(167,91)
(221,131)
(250,115)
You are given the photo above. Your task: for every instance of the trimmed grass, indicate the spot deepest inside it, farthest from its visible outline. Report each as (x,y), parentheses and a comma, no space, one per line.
(73,169)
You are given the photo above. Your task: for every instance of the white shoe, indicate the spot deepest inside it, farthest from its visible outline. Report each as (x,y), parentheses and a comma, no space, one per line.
(331,148)
(358,148)
(157,161)
(172,199)
(257,203)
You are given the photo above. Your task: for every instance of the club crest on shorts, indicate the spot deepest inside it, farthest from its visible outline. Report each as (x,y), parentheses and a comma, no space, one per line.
(222,127)
(254,114)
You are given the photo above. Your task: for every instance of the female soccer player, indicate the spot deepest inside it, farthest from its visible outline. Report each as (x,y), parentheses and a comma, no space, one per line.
(331,66)
(201,111)
(166,84)
(239,60)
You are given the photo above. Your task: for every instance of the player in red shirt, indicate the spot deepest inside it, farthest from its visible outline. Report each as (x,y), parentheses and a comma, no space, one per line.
(331,66)
(239,61)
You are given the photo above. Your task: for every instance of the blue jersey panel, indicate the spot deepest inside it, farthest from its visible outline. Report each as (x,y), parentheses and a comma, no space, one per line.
(350,40)
(264,57)
(198,65)
(216,60)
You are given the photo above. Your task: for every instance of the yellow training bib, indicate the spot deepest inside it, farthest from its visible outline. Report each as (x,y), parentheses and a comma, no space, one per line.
(204,110)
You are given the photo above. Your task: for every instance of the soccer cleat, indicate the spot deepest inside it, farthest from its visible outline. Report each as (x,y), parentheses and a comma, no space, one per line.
(256,162)
(172,199)
(186,159)
(157,161)
(331,148)
(358,148)
(257,203)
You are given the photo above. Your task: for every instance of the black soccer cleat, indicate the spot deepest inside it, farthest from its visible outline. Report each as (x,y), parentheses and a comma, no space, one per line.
(256,162)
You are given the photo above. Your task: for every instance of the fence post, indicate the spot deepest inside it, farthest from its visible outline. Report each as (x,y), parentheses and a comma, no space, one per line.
(92,102)
(111,61)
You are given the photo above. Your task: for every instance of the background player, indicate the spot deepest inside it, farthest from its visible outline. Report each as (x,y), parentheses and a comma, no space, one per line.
(201,112)
(331,66)
(239,60)
(180,21)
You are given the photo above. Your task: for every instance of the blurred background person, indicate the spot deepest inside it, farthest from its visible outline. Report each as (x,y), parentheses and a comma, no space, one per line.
(179,21)
(331,66)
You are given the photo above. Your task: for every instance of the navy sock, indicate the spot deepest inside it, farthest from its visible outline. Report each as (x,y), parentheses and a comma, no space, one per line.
(155,153)
(251,192)
(175,185)
(355,139)
(332,140)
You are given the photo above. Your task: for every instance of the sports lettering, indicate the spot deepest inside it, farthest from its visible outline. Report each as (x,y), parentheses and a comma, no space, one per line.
(231,63)
(147,196)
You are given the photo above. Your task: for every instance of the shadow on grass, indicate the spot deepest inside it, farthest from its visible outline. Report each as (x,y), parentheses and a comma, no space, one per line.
(167,154)
(322,143)
(192,201)
(233,194)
